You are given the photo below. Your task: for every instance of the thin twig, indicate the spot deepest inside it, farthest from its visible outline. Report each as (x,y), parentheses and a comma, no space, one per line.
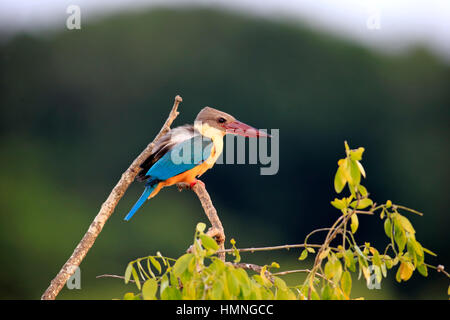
(287,247)
(408,209)
(105,212)
(113,276)
(330,236)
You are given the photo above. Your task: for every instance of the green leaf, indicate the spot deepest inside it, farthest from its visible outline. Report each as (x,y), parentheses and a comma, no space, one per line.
(388,227)
(375,257)
(232,281)
(357,154)
(280,284)
(275,265)
(136,278)
(346,283)
(339,180)
(423,270)
(327,292)
(155,263)
(349,260)
(244,281)
(217,290)
(354,173)
(363,190)
(171,293)
(128,295)
(303,255)
(429,252)
(363,203)
(354,223)
(399,236)
(310,250)
(149,289)
(338,204)
(182,264)
(201,227)
(173,280)
(128,272)
(405,223)
(414,247)
(209,243)
(333,269)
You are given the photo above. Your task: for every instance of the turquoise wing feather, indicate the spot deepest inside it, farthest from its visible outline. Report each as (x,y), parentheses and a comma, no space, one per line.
(181,158)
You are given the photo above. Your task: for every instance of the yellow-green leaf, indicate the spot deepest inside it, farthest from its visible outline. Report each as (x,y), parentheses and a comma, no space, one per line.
(339,180)
(209,243)
(388,227)
(303,255)
(349,260)
(201,227)
(346,283)
(182,264)
(363,190)
(327,292)
(136,278)
(128,295)
(357,154)
(128,272)
(354,223)
(155,263)
(429,252)
(149,289)
(354,173)
(399,236)
(405,223)
(310,250)
(423,270)
(280,284)
(362,204)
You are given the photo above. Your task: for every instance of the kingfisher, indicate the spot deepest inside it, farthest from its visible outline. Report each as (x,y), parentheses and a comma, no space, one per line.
(186,152)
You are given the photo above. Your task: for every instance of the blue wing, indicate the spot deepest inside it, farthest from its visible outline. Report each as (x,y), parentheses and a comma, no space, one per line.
(181,158)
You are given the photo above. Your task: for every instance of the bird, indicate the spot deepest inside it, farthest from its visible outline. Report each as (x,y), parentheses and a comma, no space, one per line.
(186,152)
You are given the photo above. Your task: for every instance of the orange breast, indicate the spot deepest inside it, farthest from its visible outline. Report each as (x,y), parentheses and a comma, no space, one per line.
(187,177)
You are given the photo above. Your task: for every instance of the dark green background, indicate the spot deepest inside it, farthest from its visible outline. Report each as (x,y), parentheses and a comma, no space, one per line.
(78,106)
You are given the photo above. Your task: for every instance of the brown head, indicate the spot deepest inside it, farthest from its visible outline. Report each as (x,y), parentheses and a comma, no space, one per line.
(212,120)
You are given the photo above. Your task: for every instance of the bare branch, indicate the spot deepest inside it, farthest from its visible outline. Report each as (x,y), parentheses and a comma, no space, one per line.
(216,231)
(105,212)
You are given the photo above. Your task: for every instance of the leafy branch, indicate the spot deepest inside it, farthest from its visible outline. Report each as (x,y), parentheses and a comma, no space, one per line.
(203,273)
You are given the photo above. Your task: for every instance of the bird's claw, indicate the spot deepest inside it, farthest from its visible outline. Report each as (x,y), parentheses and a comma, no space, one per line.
(192,184)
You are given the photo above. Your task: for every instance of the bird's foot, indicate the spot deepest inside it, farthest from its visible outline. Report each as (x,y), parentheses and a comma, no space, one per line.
(192,184)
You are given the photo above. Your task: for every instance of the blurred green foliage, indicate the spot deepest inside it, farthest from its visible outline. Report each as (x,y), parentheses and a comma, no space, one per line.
(77,106)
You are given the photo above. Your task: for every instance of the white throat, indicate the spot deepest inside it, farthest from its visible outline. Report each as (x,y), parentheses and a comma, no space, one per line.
(215,135)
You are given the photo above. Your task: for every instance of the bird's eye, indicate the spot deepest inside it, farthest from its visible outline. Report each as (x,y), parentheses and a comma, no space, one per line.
(222,120)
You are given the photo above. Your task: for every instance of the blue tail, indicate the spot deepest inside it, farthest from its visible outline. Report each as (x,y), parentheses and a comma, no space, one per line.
(147,191)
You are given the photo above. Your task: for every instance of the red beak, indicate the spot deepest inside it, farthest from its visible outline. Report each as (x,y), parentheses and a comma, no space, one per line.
(240,128)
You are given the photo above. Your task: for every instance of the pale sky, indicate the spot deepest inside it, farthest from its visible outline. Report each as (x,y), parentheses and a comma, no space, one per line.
(383,24)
